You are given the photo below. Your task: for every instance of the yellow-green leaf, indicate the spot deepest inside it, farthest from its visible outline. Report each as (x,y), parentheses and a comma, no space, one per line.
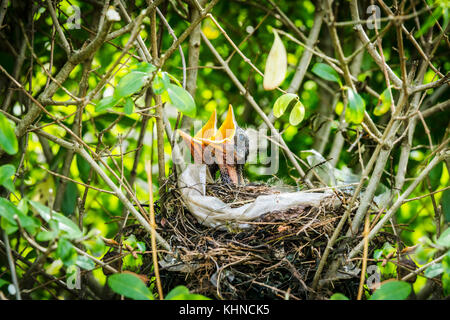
(8,139)
(384,103)
(130,83)
(106,103)
(182,293)
(356,106)
(339,108)
(282,103)
(182,100)
(297,114)
(66,252)
(444,239)
(276,64)
(160,83)
(6,173)
(130,286)
(338,296)
(9,212)
(128,106)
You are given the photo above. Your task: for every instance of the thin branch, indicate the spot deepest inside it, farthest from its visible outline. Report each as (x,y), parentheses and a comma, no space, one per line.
(12,267)
(370,47)
(422,268)
(393,209)
(62,37)
(148,168)
(121,196)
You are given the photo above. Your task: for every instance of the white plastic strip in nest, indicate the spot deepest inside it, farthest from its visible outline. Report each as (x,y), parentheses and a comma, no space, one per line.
(213,212)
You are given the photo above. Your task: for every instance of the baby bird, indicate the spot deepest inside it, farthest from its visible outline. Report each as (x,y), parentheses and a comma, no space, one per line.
(225,149)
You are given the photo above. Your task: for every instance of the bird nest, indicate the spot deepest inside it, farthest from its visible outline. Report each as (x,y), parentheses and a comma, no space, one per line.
(275,258)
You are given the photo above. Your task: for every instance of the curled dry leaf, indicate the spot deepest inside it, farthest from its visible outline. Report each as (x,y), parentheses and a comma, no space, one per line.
(110,242)
(276,64)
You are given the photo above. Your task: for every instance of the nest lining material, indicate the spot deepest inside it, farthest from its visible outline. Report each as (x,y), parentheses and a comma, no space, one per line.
(277,255)
(212,211)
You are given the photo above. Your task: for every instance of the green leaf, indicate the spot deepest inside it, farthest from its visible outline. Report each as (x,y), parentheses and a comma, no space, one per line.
(7,226)
(131,241)
(178,83)
(69,201)
(423,253)
(354,112)
(392,290)
(3,282)
(130,83)
(431,21)
(129,106)
(129,286)
(339,108)
(446,18)
(445,201)
(145,67)
(23,205)
(338,296)
(8,139)
(83,168)
(140,246)
(182,100)
(6,173)
(54,267)
(435,176)
(106,103)
(97,246)
(178,290)
(388,248)
(66,252)
(378,254)
(282,103)
(160,83)
(446,263)
(43,236)
(8,211)
(384,103)
(65,224)
(85,263)
(434,270)
(182,293)
(297,114)
(190,296)
(72,273)
(49,235)
(131,263)
(326,72)
(444,239)
(446,284)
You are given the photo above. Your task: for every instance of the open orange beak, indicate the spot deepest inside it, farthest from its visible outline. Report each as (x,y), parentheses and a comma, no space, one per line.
(197,142)
(210,145)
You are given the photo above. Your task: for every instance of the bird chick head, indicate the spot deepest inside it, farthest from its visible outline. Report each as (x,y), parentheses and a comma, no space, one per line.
(226,147)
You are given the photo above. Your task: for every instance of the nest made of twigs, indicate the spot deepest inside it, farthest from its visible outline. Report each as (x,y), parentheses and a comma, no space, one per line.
(275,258)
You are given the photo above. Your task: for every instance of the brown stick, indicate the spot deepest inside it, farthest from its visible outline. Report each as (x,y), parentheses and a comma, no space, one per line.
(364,262)
(148,169)
(159,114)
